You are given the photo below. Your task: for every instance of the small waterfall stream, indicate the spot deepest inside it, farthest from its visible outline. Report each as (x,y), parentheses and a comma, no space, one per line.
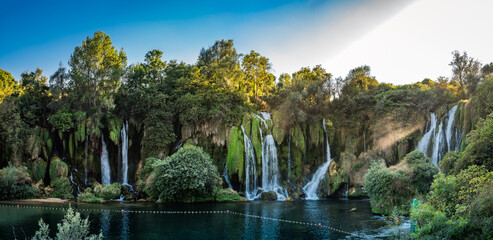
(124,133)
(442,140)
(311,187)
(449,130)
(226,177)
(270,163)
(251,169)
(105,165)
(424,142)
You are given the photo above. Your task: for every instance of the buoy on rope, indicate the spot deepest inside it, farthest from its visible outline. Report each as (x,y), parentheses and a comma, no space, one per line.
(319,224)
(123,211)
(227,212)
(17,206)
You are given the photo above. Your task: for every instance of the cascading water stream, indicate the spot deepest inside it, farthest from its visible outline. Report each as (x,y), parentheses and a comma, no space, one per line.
(438,144)
(311,187)
(270,169)
(443,139)
(225,176)
(125,154)
(270,163)
(424,142)
(105,165)
(251,169)
(449,129)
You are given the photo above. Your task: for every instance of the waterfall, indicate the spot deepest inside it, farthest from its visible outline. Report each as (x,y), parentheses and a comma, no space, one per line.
(270,168)
(450,124)
(438,144)
(251,169)
(105,165)
(270,163)
(443,140)
(311,187)
(225,176)
(424,142)
(124,133)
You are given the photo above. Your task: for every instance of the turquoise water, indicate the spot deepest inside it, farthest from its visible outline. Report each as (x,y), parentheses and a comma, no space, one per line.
(131,225)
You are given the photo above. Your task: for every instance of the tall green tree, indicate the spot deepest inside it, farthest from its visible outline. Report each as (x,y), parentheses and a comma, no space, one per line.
(359,79)
(463,65)
(220,66)
(8,85)
(258,78)
(96,70)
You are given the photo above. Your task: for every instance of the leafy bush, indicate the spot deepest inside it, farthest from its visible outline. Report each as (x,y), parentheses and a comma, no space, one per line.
(62,188)
(388,189)
(58,169)
(88,196)
(479,150)
(448,162)
(107,192)
(15,183)
(186,175)
(73,227)
(422,170)
(482,212)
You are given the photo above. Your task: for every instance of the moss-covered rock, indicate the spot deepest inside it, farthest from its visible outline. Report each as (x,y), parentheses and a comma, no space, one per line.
(235,153)
(58,169)
(62,188)
(107,192)
(227,195)
(268,196)
(257,140)
(39,169)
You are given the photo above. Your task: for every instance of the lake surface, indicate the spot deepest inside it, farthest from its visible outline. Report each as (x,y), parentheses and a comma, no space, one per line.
(114,224)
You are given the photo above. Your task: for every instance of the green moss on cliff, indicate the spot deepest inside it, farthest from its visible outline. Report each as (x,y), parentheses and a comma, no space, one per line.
(235,153)
(39,169)
(58,169)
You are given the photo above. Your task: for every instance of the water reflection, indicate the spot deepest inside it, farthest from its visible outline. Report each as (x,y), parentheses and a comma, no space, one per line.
(105,223)
(130,225)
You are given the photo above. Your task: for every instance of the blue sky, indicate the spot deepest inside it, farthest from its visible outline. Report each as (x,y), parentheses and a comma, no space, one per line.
(292,34)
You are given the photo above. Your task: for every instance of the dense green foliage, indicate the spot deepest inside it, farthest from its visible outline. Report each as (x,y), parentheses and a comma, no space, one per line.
(62,188)
(73,227)
(15,183)
(187,175)
(107,192)
(393,188)
(457,206)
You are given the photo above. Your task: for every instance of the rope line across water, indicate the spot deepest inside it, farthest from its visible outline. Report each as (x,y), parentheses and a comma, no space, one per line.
(188,212)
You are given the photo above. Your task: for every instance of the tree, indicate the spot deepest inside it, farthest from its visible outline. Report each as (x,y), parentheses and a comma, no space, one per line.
(220,66)
(359,79)
(184,176)
(258,78)
(8,85)
(59,82)
(462,65)
(96,69)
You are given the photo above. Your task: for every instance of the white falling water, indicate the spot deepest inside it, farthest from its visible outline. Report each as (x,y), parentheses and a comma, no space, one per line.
(226,177)
(424,143)
(124,133)
(251,169)
(270,163)
(105,165)
(438,145)
(442,139)
(450,125)
(311,187)
(270,169)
